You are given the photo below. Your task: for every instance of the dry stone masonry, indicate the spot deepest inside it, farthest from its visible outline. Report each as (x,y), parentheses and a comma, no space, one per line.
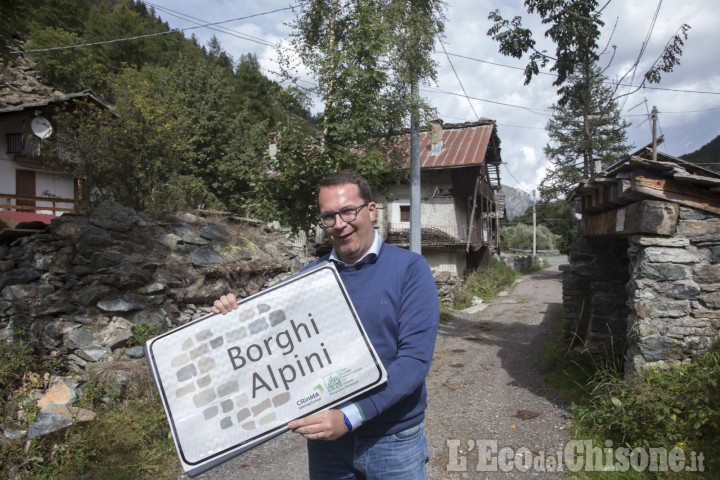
(643,283)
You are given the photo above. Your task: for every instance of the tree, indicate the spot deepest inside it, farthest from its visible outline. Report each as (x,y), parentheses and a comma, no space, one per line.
(365,55)
(14,14)
(575,30)
(574,27)
(134,156)
(521,236)
(584,130)
(555,215)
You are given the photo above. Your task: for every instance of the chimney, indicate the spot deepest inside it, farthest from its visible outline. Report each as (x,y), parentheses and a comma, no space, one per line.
(436,131)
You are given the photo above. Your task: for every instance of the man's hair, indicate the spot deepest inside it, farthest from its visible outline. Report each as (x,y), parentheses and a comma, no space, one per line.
(348,176)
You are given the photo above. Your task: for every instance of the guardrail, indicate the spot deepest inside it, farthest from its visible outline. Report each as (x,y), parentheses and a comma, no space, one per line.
(30,204)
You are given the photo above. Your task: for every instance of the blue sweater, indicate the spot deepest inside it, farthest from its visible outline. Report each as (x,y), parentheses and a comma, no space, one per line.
(396,299)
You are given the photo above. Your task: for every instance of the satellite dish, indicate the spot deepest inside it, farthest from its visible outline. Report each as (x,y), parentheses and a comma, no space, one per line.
(41,127)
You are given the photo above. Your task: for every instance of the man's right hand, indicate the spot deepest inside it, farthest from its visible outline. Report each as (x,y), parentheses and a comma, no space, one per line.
(224,304)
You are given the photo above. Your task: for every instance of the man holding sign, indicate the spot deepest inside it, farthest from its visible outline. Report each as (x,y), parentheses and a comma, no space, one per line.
(379,434)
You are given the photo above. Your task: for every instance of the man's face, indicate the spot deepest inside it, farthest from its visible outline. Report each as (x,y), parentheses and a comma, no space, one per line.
(350,240)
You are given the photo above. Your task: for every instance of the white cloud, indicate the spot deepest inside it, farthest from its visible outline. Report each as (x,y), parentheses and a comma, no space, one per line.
(521,131)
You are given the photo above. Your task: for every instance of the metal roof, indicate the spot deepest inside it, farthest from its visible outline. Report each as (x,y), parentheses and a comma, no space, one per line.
(463,144)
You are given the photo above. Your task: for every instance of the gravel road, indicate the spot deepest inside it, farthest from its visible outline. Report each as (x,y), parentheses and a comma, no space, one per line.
(484,390)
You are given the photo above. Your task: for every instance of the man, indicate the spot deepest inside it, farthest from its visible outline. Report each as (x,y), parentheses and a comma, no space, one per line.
(380,434)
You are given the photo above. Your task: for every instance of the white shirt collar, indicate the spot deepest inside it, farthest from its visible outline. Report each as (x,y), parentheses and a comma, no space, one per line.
(371,254)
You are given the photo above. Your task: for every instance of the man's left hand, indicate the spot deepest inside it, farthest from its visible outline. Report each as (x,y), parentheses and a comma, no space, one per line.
(327,425)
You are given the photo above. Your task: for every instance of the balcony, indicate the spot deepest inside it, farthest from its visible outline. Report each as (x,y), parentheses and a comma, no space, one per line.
(450,237)
(46,205)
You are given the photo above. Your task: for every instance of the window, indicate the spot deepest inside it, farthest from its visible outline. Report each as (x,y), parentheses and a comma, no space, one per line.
(404,213)
(14,143)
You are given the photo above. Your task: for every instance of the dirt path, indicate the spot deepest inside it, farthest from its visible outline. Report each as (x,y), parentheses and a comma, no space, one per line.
(484,387)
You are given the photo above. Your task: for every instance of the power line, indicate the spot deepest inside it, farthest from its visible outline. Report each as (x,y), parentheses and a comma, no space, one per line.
(67,47)
(202,23)
(609,83)
(101,42)
(488,101)
(458,79)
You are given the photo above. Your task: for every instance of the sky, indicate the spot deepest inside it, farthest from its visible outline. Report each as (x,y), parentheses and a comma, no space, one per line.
(476,81)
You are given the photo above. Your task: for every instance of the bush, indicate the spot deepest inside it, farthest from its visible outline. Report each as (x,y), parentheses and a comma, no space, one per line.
(485,283)
(672,408)
(521,236)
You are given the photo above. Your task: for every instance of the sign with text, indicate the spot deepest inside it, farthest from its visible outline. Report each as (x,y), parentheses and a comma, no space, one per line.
(231,382)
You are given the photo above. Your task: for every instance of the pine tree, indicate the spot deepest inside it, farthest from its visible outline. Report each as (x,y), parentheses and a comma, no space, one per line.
(585,129)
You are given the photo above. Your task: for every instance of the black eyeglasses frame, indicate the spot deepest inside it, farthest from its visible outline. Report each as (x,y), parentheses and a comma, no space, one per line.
(342,212)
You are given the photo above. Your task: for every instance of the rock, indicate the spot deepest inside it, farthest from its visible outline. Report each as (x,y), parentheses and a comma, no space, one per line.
(135,352)
(92,240)
(78,338)
(60,394)
(56,417)
(111,215)
(92,353)
(205,256)
(106,259)
(190,235)
(126,303)
(116,333)
(18,276)
(216,233)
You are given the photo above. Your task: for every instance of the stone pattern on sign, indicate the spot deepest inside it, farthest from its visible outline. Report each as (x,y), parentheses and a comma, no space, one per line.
(221,401)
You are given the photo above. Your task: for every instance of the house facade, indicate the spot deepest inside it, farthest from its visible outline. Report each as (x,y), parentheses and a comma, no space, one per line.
(460,207)
(27,125)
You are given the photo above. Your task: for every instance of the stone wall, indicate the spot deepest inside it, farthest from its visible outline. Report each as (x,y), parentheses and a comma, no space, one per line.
(648,299)
(674,292)
(594,295)
(77,290)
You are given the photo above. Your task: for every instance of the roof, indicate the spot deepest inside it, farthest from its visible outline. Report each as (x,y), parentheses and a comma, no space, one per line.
(462,145)
(638,177)
(85,95)
(14,218)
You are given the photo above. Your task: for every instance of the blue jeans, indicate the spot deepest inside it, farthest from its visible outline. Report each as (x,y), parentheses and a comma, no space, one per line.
(400,456)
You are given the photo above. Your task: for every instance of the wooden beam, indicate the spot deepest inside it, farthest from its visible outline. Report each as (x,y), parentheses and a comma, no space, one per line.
(684,194)
(646,217)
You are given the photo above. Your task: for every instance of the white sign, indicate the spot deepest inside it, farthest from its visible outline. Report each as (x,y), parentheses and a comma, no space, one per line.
(231,382)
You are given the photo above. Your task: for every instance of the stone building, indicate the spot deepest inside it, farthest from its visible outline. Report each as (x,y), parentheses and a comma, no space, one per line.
(643,283)
(461,206)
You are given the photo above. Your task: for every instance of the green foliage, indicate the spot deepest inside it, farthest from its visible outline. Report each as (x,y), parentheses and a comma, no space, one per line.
(67,70)
(587,128)
(289,193)
(707,156)
(366,55)
(487,282)
(132,156)
(141,333)
(558,216)
(521,236)
(126,441)
(14,14)
(675,407)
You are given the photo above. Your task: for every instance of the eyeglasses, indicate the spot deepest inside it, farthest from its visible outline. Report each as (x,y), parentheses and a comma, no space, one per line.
(348,214)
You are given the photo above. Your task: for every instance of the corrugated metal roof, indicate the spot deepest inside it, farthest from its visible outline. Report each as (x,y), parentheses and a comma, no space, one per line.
(463,144)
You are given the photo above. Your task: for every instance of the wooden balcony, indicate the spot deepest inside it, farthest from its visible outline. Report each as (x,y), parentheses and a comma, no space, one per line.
(20,203)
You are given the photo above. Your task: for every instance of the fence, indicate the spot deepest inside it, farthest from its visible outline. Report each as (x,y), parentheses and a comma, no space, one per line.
(30,204)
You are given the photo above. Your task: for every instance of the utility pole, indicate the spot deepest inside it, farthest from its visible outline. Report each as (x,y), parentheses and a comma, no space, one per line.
(534,228)
(415,229)
(654,116)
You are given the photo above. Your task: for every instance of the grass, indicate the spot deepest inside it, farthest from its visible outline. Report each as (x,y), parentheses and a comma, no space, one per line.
(485,283)
(127,440)
(673,408)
